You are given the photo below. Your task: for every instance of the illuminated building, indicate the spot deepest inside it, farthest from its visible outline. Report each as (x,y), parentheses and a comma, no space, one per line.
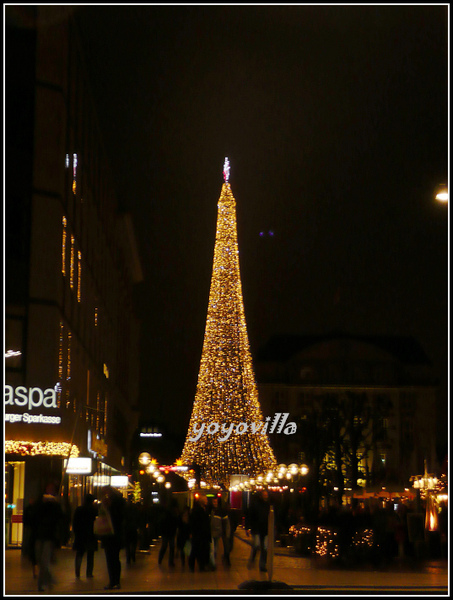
(156,439)
(71,264)
(390,376)
(226,393)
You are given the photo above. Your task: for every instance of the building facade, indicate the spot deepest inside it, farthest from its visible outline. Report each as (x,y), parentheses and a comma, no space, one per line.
(368,396)
(71,262)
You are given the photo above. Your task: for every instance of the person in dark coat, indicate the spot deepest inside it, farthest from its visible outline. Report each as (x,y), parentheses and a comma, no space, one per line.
(234,516)
(257,525)
(183,534)
(47,533)
(113,502)
(29,541)
(200,534)
(84,538)
(169,526)
(131,525)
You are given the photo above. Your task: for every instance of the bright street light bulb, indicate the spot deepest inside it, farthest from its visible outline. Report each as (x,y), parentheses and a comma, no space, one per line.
(144,458)
(442,193)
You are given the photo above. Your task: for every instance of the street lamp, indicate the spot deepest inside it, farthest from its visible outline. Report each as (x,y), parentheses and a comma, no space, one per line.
(442,193)
(427,483)
(144,459)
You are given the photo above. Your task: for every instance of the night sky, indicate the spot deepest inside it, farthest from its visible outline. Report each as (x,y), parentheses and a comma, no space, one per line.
(335,122)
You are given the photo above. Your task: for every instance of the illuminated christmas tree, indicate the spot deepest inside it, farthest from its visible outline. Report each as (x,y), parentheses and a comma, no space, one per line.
(227,432)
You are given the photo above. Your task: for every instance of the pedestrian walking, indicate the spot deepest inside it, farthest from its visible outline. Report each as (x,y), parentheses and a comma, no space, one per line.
(183,535)
(234,516)
(111,510)
(257,526)
(220,530)
(47,534)
(29,540)
(169,526)
(131,526)
(200,534)
(84,539)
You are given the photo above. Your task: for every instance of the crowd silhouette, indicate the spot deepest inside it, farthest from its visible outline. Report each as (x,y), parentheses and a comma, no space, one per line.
(201,536)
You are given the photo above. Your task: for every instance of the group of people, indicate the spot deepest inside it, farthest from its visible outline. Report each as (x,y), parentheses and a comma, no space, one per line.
(209,523)
(44,525)
(193,534)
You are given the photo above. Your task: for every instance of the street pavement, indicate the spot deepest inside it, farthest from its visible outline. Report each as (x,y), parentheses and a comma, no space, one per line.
(292,575)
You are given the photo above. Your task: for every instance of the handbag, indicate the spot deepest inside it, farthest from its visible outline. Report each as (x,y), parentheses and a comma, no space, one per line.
(188,548)
(103,524)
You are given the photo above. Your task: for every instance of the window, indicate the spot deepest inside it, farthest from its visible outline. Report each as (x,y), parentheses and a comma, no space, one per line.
(79,276)
(74,173)
(71,272)
(63,247)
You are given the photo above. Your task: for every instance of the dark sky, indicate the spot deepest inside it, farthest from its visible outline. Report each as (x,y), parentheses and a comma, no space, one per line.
(334,119)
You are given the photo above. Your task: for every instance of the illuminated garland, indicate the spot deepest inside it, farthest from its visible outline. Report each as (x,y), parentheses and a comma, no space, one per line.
(327,543)
(37,448)
(226,391)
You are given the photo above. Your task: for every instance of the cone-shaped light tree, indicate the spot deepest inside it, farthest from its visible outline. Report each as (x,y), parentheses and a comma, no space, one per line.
(227,431)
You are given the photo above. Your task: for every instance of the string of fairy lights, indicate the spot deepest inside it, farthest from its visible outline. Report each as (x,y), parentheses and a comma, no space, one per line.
(29,448)
(226,391)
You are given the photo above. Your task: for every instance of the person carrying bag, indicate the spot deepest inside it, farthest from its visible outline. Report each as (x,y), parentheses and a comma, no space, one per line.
(110,528)
(103,523)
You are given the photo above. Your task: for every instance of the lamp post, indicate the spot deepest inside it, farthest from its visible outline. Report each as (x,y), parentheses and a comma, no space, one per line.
(426,484)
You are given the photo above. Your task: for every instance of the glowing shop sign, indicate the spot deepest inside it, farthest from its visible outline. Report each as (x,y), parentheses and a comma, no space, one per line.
(29,399)
(27,418)
(79,466)
(119,481)
(174,468)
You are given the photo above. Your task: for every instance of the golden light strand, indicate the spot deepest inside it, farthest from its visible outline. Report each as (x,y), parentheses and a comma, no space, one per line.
(226,391)
(26,448)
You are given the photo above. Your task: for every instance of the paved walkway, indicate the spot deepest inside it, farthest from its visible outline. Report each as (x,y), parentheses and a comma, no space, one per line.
(292,575)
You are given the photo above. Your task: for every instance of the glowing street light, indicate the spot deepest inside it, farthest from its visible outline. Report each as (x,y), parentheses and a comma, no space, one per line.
(442,192)
(144,458)
(427,484)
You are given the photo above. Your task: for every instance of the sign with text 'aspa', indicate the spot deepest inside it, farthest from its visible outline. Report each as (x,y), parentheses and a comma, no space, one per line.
(32,400)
